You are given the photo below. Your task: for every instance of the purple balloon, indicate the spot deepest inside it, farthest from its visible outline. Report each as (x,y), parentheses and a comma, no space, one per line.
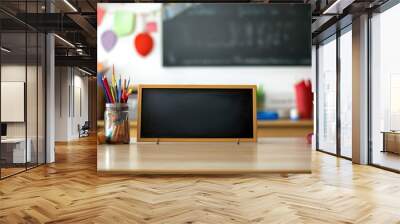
(108,39)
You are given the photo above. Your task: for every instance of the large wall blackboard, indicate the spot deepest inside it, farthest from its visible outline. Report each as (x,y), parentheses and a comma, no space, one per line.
(215,34)
(196,113)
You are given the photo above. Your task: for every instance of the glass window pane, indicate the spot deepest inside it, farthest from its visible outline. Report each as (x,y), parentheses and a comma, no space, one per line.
(23,82)
(14,153)
(385,84)
(31,97)
(327,97)
(346,94)
(41,98)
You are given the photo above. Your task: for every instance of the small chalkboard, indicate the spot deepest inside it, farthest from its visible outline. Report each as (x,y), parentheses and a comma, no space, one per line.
(236,34)
(196,113)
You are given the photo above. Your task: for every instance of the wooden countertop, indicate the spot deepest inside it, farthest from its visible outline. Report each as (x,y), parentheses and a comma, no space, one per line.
(261,124)
(267,156)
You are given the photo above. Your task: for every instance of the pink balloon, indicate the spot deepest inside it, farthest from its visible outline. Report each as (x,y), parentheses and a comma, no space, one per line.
(108,39)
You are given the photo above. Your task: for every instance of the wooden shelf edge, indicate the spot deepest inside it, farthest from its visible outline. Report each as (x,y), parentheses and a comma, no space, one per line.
(285,123)
(260,123)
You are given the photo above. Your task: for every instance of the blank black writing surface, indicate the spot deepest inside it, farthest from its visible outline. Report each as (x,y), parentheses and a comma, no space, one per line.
(196,113)
(216,34)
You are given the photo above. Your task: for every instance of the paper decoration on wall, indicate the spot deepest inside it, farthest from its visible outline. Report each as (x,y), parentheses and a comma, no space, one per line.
(124,23)
(151,27)
(100,67)
(108,39)
(100,15)
(143,43)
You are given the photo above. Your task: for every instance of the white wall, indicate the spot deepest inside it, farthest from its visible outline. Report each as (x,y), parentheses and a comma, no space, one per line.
(61,103)
(81,84)
(33,127)
(278,81)
(12,73)
(68,83)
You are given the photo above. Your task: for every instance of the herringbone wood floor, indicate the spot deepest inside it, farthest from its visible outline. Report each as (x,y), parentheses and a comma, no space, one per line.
(70,191)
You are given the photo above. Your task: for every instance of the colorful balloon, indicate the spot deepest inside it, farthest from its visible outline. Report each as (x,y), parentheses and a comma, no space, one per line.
(100,15)
(143,43)
(108,39)
(151,27)
(124,23)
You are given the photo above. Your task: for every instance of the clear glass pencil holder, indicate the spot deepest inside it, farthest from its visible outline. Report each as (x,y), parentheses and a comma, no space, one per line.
(116,123)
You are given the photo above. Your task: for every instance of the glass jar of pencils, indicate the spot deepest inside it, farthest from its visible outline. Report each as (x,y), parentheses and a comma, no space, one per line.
(116,123)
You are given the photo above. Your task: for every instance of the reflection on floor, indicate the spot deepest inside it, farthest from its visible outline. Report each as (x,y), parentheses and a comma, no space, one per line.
(11,169)
(71,191)
(387,159)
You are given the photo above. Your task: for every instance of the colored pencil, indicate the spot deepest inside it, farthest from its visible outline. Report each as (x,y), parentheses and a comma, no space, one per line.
(113,76)
(115,88)
(106,92)
(108,89)
(119,91)
(106,86)
(113,84)
(112,92)
(101,84)
(124,90)
(115,91)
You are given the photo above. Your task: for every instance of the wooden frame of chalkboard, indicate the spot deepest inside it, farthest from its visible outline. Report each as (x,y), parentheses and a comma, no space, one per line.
(253,89)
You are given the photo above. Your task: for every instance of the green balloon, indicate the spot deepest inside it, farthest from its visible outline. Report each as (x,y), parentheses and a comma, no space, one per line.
(124,23)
